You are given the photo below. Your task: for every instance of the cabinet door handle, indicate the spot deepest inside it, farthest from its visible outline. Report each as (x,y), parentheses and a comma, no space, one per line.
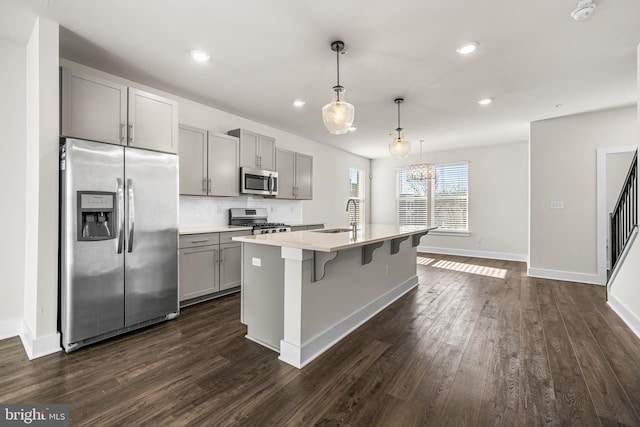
(130,139)
(204,185)
(257,161)
(221,258)
(122,132)
(200,241)
(209,185)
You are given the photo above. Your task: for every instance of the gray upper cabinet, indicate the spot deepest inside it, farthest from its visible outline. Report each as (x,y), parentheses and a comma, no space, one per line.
(153,122)
(285,166)
(101,110)
(303,175)
(223,165)
(92,108)
(208,163)
(295,171)
(256,150)
(193,161)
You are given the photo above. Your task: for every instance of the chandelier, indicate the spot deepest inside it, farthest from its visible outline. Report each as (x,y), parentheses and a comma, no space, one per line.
(421,171)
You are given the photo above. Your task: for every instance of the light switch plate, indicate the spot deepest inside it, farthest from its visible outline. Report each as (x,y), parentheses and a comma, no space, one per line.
(257,262)
(557,204)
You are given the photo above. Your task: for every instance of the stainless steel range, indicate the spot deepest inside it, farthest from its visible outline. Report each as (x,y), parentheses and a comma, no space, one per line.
(256,218)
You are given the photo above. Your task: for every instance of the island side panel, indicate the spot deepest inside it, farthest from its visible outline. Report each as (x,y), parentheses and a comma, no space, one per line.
(348,295)
(263,294)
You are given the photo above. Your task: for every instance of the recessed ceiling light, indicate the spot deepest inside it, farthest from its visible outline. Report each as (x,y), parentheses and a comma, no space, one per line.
(485,101)
(298,103)
(200,56)
(467,48)
(353,128)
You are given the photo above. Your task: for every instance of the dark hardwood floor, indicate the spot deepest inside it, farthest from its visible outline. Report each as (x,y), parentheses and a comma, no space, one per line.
(477,343)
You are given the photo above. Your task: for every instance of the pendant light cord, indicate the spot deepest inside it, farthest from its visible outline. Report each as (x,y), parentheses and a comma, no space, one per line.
(338,67)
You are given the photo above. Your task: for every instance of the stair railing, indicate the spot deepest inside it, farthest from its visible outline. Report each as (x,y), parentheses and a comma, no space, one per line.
(625,214)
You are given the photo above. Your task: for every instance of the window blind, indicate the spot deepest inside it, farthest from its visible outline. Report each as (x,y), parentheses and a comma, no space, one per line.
(451,196)
(442,201)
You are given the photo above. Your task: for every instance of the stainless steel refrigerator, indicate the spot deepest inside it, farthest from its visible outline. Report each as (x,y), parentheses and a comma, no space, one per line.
(118,240)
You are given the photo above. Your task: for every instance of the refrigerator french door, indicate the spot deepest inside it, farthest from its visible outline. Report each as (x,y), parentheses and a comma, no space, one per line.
(119,240)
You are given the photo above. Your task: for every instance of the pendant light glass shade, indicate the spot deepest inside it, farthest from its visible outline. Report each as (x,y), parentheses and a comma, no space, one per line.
(338,115)
(421,171)
(400,146)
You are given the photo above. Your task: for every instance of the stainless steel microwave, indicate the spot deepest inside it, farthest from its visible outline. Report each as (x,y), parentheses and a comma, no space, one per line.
(258,181)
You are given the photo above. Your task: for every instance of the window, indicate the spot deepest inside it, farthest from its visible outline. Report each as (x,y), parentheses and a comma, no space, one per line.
(356,193)
(442,201)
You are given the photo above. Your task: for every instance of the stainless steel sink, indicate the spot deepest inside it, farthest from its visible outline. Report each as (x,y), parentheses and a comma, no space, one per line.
(332,230)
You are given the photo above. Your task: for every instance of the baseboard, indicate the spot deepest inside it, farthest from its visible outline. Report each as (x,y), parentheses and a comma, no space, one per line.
(41,346)
(474,254)
(627,316)
(567,276)
(299,356)
(10,328)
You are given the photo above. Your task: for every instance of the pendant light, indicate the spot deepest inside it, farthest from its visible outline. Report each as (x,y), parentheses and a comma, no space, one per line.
(338,114)
(421,171)
(400,146)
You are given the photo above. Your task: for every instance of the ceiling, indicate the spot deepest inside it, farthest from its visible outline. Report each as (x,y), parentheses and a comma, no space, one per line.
(534,59)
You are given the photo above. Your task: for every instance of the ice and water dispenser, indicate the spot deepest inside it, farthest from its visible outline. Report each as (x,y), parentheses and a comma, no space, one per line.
(96,215)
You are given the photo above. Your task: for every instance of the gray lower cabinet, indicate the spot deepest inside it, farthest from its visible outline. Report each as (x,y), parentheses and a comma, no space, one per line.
(101,110)
(295,171)
(210,265)
(198,272)
(209,163)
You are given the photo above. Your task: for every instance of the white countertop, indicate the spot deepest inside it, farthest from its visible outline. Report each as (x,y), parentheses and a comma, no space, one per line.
(331,242)
(211,229)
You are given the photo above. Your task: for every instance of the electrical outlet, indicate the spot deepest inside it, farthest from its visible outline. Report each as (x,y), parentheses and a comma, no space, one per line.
(557,204)
(256,262)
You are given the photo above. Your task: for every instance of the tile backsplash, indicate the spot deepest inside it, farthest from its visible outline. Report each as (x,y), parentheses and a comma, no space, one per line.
(204,211)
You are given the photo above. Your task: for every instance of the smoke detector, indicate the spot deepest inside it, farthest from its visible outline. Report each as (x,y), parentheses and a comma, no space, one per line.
(584,10)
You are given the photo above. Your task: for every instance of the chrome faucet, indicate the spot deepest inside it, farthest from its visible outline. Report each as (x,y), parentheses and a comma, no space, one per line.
(353,224)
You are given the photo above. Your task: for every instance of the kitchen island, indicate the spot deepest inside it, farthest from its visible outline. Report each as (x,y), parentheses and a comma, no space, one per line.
(304,291)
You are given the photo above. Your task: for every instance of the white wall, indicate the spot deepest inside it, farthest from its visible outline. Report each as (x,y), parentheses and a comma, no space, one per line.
(39,329)
(330,169)
(563,242)
(624,292)
(498,200)
(617,169)
(12,175)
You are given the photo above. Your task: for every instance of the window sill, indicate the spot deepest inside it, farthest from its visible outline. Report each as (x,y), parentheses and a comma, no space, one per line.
(458,233)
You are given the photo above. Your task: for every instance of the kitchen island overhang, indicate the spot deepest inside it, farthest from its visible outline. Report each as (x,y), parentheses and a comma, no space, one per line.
(304,291)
